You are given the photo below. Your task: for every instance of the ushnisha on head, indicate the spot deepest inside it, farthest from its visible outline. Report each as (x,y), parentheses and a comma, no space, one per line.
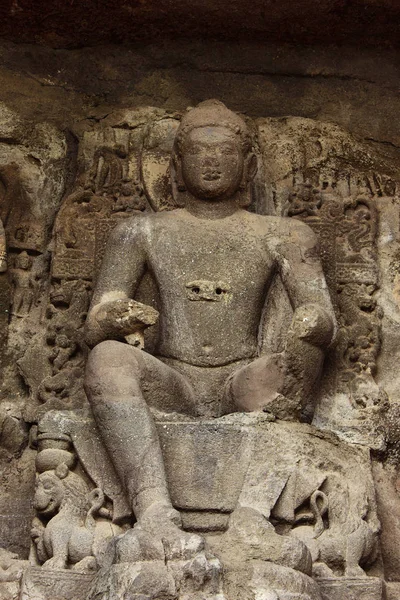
(212,156)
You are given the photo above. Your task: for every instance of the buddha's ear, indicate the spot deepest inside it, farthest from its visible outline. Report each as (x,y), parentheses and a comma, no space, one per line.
(177,184)
(176,173)
(251,166)
(250,170)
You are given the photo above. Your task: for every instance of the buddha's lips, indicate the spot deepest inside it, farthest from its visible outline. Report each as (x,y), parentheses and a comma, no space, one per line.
(211,175)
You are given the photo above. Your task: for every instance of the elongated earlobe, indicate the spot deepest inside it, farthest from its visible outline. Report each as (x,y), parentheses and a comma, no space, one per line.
(249,171)
(252,166)
(176,173)
(177,184)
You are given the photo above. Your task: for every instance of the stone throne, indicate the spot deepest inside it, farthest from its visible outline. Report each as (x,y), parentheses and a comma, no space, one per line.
(297,477)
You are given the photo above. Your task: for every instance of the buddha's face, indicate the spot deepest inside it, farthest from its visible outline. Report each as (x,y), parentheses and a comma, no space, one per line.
(212,163)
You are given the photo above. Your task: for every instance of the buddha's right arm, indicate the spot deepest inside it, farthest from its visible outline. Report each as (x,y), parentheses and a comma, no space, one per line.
(122,268)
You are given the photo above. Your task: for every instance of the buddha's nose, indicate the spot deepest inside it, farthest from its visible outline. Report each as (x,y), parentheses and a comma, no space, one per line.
(211,160)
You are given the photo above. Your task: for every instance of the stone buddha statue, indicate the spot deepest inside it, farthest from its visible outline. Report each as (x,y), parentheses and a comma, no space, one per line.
(213,263)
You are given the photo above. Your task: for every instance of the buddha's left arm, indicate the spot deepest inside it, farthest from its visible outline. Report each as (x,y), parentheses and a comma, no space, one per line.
(301,271)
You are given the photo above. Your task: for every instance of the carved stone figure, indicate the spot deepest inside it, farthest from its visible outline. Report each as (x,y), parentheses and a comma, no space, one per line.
(209,325)
(71,536)
(337,549)
(59,386)
(347,227)
(69,302)
(63,349)
(213,263)
(107,173)
(11,567)
(23,285)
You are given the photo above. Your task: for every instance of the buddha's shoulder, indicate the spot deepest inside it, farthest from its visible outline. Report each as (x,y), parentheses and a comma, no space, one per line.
(283,225)
(140,223)
(280,230)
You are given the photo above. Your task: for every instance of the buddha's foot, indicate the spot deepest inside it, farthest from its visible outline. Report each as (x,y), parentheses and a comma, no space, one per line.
(254,537)
(158,536)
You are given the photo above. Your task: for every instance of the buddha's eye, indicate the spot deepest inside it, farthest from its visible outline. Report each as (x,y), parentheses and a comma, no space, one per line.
(229,150)
(195,150)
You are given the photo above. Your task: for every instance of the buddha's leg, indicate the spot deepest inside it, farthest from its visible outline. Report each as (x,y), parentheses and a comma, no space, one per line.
(119,379)
(260,386)
(282,384)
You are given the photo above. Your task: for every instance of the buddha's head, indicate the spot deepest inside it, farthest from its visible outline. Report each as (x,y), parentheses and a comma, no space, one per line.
(212,155)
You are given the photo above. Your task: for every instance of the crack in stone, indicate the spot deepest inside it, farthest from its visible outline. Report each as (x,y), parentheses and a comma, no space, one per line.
(385,142)
(286,74)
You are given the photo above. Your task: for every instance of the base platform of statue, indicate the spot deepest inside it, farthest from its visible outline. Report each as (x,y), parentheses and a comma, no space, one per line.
(155,580)
(60,584)
(189,580)
(195,579)
(277,504)
(348,588)
(149,581)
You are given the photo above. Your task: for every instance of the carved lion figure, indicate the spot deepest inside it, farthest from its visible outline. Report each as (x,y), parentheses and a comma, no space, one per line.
(72,536)
(332,548)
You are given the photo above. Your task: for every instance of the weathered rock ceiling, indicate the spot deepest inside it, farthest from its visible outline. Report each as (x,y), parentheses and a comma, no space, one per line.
(74,23)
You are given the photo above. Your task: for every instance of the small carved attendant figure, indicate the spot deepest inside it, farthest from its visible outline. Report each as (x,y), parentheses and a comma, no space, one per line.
(3,249)
(23,285)
(107,173)
(63,349)
(213,263)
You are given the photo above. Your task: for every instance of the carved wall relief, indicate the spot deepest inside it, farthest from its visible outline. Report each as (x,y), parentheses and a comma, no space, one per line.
(33,167)
(234,478)
(347,230)
(322,177)
(338,546)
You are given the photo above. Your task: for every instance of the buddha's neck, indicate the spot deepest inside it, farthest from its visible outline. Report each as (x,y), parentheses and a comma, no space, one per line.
(206,209)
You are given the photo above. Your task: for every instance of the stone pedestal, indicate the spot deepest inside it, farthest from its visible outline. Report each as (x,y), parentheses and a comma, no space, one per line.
(195,579)
(264,580)
(198,579)
(220,473)
(46,584)
(206,464)
(346,588)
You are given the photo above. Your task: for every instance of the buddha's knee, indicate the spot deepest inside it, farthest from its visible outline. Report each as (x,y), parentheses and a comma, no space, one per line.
(113,368)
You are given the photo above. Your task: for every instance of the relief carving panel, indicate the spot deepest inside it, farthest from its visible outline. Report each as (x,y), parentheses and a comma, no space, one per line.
(254,428)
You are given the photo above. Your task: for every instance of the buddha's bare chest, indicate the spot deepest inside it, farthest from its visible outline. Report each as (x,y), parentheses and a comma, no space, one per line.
(210,265)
